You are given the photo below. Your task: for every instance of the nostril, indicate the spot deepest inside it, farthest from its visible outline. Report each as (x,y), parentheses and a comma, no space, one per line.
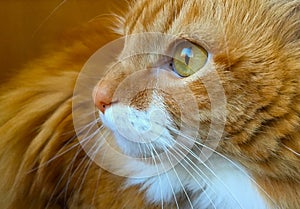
(102,106)
(102,97)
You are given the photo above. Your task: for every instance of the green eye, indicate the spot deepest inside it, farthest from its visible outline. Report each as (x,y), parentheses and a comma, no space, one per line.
(188,58)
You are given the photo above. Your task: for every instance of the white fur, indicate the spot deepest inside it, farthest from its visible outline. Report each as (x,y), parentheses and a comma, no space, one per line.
(216,183)
(138,132)
(223,185)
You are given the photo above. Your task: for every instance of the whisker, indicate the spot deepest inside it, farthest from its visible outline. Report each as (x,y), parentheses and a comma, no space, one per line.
(238,167)
(177,176)
(109,15)
(209,169)
(69,168)
(290,149)
(83,174)
(166,149)
(192,175)
(48,17)
(70,177)
(99,176)
(168,178)
(60,154)
(62,177)
(159,177)
(87,156)
(234,164)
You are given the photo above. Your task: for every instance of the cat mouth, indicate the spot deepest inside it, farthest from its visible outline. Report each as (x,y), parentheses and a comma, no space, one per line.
(148,136)
(138,133)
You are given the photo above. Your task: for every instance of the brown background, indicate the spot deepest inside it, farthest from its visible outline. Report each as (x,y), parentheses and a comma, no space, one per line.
(28,25)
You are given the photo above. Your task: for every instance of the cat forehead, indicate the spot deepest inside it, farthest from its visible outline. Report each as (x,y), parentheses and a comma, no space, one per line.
(207,23)
(169,15)
(223,27)
(209,17)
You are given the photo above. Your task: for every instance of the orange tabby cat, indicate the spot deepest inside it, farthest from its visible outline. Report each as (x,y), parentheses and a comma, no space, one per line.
(199,109)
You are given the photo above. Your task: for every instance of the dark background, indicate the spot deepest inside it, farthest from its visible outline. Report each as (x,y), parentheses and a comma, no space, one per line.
(28,25)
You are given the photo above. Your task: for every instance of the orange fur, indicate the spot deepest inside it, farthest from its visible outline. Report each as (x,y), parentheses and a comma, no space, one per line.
(36,126)
(256,52)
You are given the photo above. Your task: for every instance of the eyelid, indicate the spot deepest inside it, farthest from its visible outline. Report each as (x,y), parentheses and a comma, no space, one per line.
(172,46)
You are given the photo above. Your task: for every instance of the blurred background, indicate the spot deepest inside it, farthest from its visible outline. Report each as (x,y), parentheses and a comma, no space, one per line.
(28,25)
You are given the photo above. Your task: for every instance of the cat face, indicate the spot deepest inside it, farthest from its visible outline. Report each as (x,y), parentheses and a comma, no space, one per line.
(152,108)
(197,83)
(153,95)
(196,106)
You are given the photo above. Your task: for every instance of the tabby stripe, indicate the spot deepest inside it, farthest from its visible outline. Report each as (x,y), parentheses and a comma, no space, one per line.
(269,138)
(256,125)
(268,131)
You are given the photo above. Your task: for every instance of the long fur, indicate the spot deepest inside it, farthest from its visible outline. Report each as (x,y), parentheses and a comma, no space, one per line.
(42,163)
(256,47)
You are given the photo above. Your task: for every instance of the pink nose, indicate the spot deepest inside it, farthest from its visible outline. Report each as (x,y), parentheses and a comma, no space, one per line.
(102,96)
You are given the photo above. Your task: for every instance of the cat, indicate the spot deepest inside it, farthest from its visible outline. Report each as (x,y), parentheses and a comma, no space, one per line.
(184,104)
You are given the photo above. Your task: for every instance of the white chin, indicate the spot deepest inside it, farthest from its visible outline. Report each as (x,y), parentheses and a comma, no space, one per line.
(139,133)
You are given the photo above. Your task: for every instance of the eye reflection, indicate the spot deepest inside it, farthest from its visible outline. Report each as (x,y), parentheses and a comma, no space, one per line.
(187,54)
(188,58)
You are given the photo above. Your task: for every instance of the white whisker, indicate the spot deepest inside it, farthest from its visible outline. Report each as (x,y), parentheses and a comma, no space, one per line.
(48,17)
(70,166)
(62,177)
(209,169)
(159,177)
(290,149)
(63,152)
(177,176)
(234,164)
(88,159)
(168,178)
(192,175)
